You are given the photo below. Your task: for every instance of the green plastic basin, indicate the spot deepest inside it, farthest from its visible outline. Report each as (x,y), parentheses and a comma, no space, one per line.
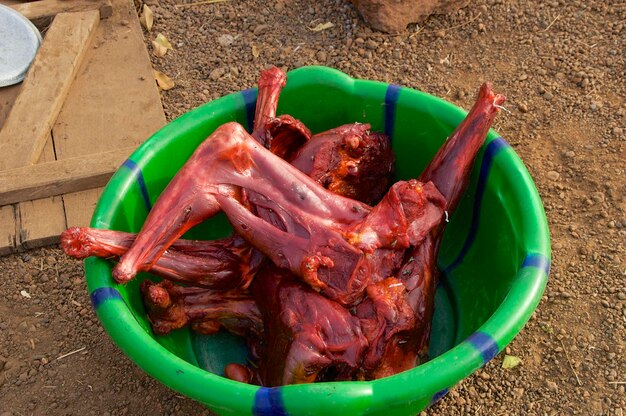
(495,253)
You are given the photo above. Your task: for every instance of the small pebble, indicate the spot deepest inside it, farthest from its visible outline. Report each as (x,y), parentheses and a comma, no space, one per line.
(371,44)
(217,73)
(523,108)
(598,197)
(553,175)
(260,30)
(225,40)
(551,385)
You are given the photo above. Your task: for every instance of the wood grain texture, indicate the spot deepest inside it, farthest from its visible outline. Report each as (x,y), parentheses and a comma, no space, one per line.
(79,206)
(30,223)
(59,177)
(7,213)
(27,127)
(7,230)
(39,222)
(48,8)
(7,98)
(114,102)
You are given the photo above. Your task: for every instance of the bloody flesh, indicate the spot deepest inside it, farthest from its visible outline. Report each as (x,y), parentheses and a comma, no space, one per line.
(326,280)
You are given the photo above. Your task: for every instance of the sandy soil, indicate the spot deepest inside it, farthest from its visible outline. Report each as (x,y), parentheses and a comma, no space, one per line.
(562,66)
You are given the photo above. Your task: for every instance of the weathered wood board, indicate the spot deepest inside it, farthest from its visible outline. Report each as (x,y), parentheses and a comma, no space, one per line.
(7,229)
(27,127)
(40,221)
(58,177)
(7,98)
(49,8)
(113,104)
(108,108)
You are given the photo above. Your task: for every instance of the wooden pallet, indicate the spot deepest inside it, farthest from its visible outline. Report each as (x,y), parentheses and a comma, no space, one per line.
(87,101)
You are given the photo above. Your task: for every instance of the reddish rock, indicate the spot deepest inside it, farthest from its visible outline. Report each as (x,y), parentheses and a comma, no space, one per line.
(394,15)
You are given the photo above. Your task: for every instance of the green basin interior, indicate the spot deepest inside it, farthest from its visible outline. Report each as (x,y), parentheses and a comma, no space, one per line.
(495,254)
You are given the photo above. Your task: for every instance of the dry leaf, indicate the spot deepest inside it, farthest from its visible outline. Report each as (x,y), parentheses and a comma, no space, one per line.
(147,18)
(158,50)
(510,361)
(162,40)
(255,51)
(160,45)
(322,26)
(163,81)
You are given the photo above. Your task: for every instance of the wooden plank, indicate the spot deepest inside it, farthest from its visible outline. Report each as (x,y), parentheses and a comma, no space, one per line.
(7,213)
(79,206)
(60,177)
(114,102)
(7,98)
(47,82)
(31,223)
(7,230)
(10,2)
(39,222)
(49,8)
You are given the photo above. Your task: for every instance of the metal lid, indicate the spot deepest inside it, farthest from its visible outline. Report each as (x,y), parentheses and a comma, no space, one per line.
(19,42)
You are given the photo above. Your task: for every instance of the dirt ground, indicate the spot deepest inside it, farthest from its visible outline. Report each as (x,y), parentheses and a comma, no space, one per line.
(562,66)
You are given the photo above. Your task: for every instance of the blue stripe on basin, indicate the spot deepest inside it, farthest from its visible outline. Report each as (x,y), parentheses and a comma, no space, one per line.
(391,98)
(438,396)
(485,344)
(268,401)
(102,294)
(493,148)
(136,171)
(249,99)
(537,260)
